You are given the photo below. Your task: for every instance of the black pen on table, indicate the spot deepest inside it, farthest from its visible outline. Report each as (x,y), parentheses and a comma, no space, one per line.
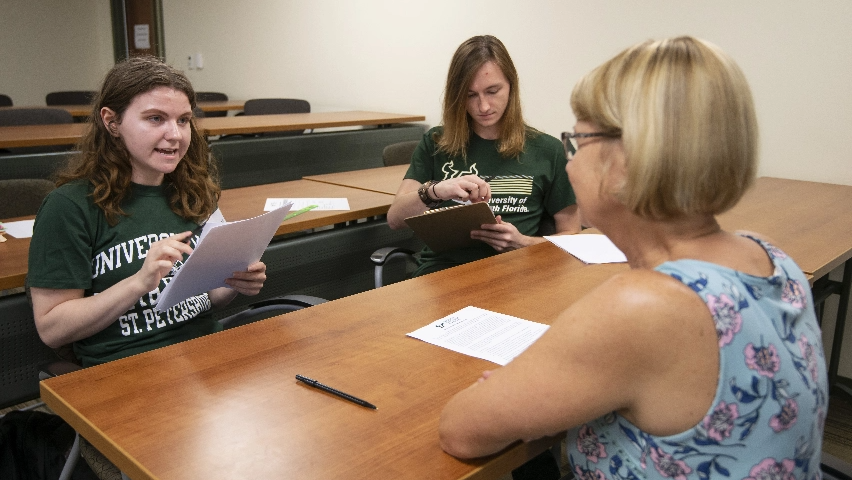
(334,391)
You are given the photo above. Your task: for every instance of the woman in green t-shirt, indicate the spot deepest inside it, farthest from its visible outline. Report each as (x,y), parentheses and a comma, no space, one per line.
(107,240)
(484,152)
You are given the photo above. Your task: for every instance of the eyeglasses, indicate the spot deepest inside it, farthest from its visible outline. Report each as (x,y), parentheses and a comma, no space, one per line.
(569,140)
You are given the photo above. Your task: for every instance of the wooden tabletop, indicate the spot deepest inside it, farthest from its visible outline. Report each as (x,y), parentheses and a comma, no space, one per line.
(248,202)
(299,121)
(41,135)
(382,179)
(810,221)
(85,110)
(236,204)
(66,134)
(227,405)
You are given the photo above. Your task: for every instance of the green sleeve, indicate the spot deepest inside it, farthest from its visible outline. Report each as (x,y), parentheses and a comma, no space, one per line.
(61,247)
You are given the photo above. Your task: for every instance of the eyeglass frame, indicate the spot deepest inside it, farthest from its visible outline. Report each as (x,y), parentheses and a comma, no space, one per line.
(571,149)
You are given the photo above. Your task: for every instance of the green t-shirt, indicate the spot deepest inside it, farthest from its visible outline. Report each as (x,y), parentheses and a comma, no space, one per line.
(522,189)
(73,247)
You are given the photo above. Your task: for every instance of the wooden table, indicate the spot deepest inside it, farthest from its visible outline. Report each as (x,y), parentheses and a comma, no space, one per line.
(236,204)
(382,179)
(228,406)
(299,121)
(248,202)
(65,134)
(810,221)
(85,110)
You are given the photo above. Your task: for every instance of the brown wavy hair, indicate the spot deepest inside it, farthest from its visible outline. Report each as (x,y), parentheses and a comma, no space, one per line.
(471,55)
(104,161)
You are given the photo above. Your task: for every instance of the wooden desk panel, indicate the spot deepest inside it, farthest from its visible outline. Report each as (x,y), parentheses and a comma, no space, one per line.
(248,202)
(810,221)
(383,180)
(228,406)
(41,135)
(299,121)
(64,134)
(221,106)
(13,261)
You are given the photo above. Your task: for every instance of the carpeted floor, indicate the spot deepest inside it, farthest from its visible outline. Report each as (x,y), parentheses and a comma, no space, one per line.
(837,438)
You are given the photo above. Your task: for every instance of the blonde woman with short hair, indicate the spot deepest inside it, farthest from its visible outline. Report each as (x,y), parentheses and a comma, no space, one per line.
(705,359)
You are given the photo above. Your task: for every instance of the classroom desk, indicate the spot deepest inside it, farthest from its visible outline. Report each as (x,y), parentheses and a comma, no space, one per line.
(247,124)
(85,110)
(69,133)
(382,179)
(248,202)
(237,204)
(227,405)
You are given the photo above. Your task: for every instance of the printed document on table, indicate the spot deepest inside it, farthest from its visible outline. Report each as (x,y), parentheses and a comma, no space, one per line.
(482,334)
(222,249)
(300,203)
(589,248)
(20,229)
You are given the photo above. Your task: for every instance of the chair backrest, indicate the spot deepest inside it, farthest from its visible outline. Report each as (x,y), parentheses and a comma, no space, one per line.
(22,196)
(211,97)
(12,117)
(270,308)
(70,97)
(5,100)
(272,106)
(399,153)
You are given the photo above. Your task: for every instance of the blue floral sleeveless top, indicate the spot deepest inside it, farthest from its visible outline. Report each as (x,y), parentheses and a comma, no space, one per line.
(766,420)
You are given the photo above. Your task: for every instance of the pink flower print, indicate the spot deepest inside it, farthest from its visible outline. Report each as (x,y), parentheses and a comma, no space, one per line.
(583,474)
(775,251)
(668,466)
(588,444)
(794,294)
(763,359)
(810,356)
(720,423)
(727,319)
(769,469)
(786,418)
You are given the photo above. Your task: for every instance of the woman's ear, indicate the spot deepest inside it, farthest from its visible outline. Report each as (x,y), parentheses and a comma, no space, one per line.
(110,121)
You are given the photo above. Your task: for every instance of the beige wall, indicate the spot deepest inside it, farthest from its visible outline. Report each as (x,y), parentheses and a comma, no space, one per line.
(50,45)
(392,55)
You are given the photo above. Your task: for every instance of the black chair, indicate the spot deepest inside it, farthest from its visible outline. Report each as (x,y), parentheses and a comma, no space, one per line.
(70,97)
(15,117)
(22,197)
(269,308)
(275,106)
(211,97)
(399,153)
(5,101)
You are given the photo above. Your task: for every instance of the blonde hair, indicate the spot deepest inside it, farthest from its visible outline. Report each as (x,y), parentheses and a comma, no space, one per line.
(686,118)
(471,55)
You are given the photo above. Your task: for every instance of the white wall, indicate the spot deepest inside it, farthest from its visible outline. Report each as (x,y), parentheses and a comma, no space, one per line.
(392,55)
(50,45)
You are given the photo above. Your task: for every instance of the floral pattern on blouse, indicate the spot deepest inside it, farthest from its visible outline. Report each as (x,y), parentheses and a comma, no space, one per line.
(766,420)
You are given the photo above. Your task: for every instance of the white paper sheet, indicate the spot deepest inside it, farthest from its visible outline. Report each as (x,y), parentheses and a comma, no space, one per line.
(222,249)
(300,203)
(482,334)
(20,229)
(589,248)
